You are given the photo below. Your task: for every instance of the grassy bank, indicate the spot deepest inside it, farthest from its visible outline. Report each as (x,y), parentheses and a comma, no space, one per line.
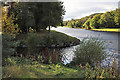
(27,68)
(104,30)
(46,39)
(107,30)
(48,63)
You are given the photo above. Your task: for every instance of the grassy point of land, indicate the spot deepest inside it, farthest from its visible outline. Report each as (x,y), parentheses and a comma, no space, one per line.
(107,30)
(55,38)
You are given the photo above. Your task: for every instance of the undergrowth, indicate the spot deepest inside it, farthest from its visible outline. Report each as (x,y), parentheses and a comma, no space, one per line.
(26,68)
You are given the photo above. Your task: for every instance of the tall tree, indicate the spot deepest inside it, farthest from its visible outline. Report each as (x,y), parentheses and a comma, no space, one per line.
(41,14)
(52,13)
(25,18)
(8,23)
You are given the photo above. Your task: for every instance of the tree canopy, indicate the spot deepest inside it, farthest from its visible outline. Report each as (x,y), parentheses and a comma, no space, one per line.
(8,25)
(37,15)
(109,19)
(117,18)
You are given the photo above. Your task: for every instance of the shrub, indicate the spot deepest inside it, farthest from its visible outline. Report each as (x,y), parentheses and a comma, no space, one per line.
(7,47)
(88,71)
(7,44)
(32,42)
(90,51)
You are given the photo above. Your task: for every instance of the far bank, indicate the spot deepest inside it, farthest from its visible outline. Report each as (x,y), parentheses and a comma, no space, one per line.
(101,30)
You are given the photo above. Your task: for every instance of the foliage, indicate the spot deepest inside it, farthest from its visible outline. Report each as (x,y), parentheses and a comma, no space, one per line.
(26,68)
(109,19)
(91,50)
(87,24)
(37,15)
(71,23)
(8,25)
(8,46)
(117,18)
(78,23)
(94,22)
(43,44)
(32,42)
(7,42)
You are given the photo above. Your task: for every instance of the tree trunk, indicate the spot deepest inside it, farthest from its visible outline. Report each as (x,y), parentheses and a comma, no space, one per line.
(49,29)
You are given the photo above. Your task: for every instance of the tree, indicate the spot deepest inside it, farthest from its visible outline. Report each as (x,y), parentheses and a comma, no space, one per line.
(79,23)
(8,25)
(40,14)
(117,18)
(87,24)
(107,20)
(65,23)
(25,17)
(52,14)
(71,23)
(94,22)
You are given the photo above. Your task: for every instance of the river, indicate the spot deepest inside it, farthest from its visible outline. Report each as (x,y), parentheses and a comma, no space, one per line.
(111,38)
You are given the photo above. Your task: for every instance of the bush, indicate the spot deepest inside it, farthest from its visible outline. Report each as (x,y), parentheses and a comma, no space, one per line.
(90,51)
(7,44)
(31,42)
(7,47)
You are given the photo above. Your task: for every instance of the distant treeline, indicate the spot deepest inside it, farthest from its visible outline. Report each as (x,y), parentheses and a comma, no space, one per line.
(110,19)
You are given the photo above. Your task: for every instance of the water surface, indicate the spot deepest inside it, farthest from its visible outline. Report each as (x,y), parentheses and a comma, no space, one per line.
(111,38)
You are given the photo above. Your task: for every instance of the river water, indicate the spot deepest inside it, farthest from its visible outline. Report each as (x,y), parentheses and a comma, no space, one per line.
(111,38)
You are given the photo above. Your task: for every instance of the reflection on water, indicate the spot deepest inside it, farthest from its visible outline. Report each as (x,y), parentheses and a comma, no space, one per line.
(111,38)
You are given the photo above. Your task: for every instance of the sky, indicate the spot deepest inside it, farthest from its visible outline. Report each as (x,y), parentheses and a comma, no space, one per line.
(76,9)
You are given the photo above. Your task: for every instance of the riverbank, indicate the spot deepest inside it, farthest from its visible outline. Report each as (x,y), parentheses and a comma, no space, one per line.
(48,64)
(101,30)
(107,30)
(53,39)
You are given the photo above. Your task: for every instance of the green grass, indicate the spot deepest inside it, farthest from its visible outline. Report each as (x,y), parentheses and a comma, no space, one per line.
(108,30)
(37,70)
(26,68)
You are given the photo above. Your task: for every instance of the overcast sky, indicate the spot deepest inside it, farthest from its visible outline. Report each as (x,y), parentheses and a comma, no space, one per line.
(77,9)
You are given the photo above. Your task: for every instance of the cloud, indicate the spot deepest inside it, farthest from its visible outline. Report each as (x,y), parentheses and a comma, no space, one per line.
(77,9)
